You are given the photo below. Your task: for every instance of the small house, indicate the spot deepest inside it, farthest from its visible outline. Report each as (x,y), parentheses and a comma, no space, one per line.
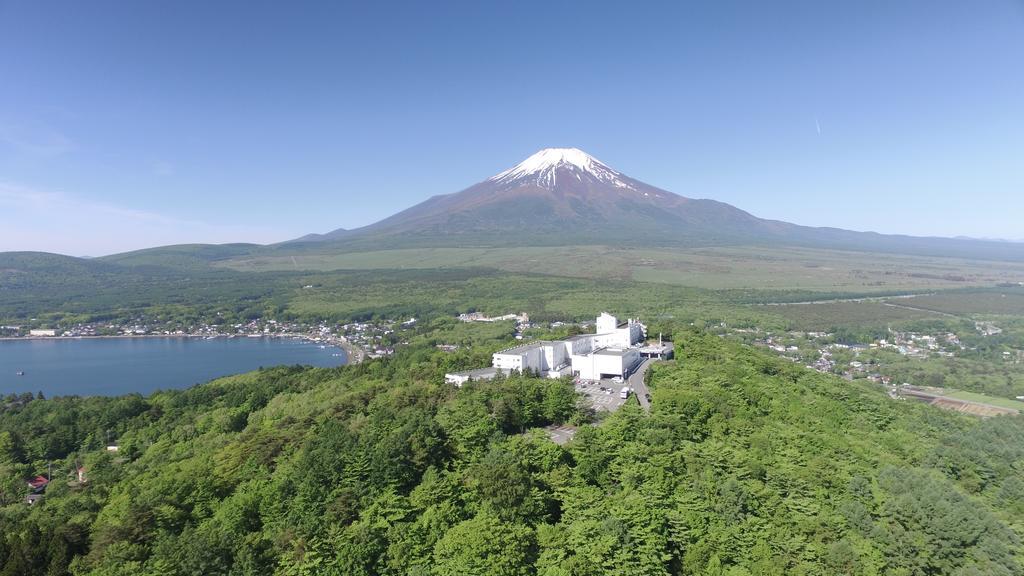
(38,484)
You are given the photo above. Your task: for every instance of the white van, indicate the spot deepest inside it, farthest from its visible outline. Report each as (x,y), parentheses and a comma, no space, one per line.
(624,393)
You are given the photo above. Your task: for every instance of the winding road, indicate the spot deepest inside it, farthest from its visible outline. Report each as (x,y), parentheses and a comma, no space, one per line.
(636,382)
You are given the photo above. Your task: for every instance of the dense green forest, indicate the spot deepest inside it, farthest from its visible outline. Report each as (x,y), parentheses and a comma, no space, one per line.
(47,289)
(747,464)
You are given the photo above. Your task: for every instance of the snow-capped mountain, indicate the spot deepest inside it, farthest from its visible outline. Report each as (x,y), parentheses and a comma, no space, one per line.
(564,196)
(559,195)
(542,169)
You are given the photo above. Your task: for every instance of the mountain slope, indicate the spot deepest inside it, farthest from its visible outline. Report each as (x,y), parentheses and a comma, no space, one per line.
(563,196)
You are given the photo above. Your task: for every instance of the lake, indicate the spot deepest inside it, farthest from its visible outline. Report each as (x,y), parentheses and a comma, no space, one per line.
(113,366)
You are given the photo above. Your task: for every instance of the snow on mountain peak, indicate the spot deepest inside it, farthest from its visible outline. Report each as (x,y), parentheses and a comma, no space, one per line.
(543,166)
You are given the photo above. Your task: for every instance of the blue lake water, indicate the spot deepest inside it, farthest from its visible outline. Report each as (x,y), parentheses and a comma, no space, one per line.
(112,366)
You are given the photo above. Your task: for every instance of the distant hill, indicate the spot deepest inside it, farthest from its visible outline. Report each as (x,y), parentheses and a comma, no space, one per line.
(38,284)
(181,256)
(332,235)
(35,282)
(30,272)
(563,196)
(15,263)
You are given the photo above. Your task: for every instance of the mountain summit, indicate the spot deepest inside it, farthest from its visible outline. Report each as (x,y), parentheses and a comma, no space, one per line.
(542,169)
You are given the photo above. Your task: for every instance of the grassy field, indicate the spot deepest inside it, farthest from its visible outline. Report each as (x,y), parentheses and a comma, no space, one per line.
(1004,301)
(713,268)
(427,292)
(1006,304)
(986,399)
(831,315)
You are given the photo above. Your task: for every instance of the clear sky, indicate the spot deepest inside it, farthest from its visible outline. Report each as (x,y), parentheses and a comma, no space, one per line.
(132,124)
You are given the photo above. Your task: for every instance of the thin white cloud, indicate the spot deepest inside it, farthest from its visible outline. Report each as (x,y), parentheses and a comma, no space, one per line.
(42,220)
(35,141)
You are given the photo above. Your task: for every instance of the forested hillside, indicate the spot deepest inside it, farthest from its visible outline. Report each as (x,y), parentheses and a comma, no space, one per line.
(747,464)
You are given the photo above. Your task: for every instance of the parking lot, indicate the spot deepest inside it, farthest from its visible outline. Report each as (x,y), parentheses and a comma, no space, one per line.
(560,435)
(603,394)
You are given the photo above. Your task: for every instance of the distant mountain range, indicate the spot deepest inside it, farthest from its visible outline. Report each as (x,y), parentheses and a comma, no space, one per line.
(1011,240)
(564,196)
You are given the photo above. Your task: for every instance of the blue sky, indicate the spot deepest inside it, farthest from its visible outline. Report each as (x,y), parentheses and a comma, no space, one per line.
(132,124)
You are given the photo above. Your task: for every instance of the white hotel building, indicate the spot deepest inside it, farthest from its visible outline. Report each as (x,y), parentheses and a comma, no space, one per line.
(611,351)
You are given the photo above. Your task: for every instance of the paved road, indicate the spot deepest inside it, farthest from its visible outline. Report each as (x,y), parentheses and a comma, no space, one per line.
(636,382)
(561,435)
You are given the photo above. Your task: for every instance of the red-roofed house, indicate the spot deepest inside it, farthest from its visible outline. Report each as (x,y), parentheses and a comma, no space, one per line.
(38,484)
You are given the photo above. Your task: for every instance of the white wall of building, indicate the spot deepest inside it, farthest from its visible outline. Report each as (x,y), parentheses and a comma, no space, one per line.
(596,366)
(583,344)
(608,333)
(615,364)
(583,366)
(633,332)
(608,365)
(606,323)
(556,355)
(542,357)
(507,361)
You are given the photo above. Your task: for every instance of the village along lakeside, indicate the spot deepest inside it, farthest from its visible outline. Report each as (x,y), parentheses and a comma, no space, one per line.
(353,353)
(322,333)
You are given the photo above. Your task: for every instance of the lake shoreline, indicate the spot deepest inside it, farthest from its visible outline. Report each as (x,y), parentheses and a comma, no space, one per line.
(202,336)
(117,365)
(353,353)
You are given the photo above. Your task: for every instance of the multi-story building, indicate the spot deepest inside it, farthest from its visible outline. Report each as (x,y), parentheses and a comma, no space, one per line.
(611,351)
